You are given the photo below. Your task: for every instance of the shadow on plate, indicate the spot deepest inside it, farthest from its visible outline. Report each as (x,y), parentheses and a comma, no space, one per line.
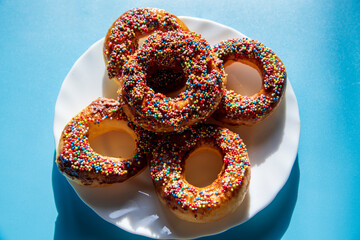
(76,220)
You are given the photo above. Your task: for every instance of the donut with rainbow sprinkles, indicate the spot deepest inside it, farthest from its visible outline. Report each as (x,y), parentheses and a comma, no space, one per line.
(122,38)
(200,91)
(200,204)
(77,160)
(236,109)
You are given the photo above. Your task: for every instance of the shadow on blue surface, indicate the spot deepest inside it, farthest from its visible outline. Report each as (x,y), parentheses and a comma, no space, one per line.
(76,220)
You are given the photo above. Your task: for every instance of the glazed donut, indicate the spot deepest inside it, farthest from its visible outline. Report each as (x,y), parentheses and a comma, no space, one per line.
(236,109)
(182,52)
(191,203)
(81,164)
(122,39)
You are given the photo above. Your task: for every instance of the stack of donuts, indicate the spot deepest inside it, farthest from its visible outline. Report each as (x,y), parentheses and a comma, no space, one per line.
(169,85)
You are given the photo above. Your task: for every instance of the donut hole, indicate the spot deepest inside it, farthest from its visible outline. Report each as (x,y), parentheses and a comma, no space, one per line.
(112,141)
(243,77)
(203,166)
(167,78)
(142,39)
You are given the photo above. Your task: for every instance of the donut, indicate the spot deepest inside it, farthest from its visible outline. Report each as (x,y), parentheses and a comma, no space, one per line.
(81,164)
(200,204)
(236,109)
(198,73)
(122,38)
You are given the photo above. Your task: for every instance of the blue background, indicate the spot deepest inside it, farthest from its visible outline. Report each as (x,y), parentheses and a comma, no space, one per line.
(317,40)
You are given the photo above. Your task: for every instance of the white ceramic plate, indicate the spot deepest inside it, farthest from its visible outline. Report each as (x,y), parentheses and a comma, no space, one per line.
(133,205)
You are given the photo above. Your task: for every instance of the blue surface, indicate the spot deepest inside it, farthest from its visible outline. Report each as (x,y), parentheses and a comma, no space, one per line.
(317,40)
